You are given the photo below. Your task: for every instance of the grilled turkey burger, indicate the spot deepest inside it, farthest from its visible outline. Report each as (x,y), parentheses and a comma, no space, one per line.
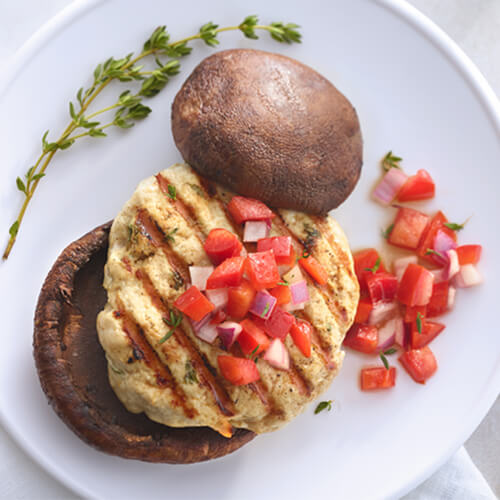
(222,312)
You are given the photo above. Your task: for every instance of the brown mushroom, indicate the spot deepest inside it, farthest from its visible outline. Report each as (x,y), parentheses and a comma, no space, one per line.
(269,127)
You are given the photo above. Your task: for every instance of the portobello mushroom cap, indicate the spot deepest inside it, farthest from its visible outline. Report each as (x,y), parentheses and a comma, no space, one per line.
(269,127)
(73,369)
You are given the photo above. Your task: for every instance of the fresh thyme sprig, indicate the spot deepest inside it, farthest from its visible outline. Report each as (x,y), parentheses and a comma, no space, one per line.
(391,161)
(129,107)
(174,320)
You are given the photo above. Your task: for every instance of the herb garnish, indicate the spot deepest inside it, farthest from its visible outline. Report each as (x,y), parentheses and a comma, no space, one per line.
(170,235)
(418,321)
(190,377)
(375,267)
(383,355)
(324,405)
(128,107)
(430,251)
(391,161)
(253,354)
(454,226)
(388,231)
(172,192)
(174,320)
(266,310)
(197,189)
(284,283)
(116,370)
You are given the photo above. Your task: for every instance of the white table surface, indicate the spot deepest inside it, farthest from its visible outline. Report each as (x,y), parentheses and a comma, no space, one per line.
(473,24)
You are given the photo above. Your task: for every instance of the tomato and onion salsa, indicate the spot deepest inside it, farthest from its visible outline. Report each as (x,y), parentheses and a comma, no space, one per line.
(396,309)
(244,300)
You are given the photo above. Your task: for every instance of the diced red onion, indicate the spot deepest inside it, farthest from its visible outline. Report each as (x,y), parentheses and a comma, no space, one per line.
(208,332)
(299,291)
(199,275)
(263,305)
(400,335)
(218,297)
(452,292)
(294,275)
(255,230)
(197,325)
(382,311)
(389,186)
(401,264)
(387,333)
(442,243)
(228,332)
(467,276)
(453,265)
(293,307)
(277,355)
(439,275)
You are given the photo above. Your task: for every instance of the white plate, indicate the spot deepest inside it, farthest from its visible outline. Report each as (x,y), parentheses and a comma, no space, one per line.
(416,94)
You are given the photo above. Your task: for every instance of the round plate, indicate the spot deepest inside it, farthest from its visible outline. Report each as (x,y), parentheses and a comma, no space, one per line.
(415,93)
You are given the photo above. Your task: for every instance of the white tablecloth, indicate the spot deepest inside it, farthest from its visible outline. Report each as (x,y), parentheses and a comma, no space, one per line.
(475,26)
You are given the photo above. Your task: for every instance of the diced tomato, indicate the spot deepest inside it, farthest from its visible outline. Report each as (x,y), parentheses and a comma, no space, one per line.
(415,288)
(427,240)
(409,226)
(238,371)
(243,209)
(417,187)
(430,330)
(221,244)
(439,299)
(239,300)
(419,363)
(262,270)
(363,260)
(282,248)
(227,274)
(469,254)
(218,317)
(363,311)
(301,333)
(363,338)
(378,378)
(314,269)
(194,304)
(279,323)
(252,338)
(411,313)
(282,294)
(382,287)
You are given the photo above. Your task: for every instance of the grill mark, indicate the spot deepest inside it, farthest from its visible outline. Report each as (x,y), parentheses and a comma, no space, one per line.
(330,237)
(327,291)
(126,264)
(143,350)
(149,228)
(299,380)
(200,364)
(185,210)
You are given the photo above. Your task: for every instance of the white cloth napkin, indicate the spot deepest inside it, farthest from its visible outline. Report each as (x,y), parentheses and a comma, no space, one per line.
(459,479)
(22,479)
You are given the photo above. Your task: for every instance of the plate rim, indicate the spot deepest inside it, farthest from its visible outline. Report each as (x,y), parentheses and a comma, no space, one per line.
(415,19)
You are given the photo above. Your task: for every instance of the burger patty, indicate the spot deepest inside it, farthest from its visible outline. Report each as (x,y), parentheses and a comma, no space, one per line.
(153,241)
